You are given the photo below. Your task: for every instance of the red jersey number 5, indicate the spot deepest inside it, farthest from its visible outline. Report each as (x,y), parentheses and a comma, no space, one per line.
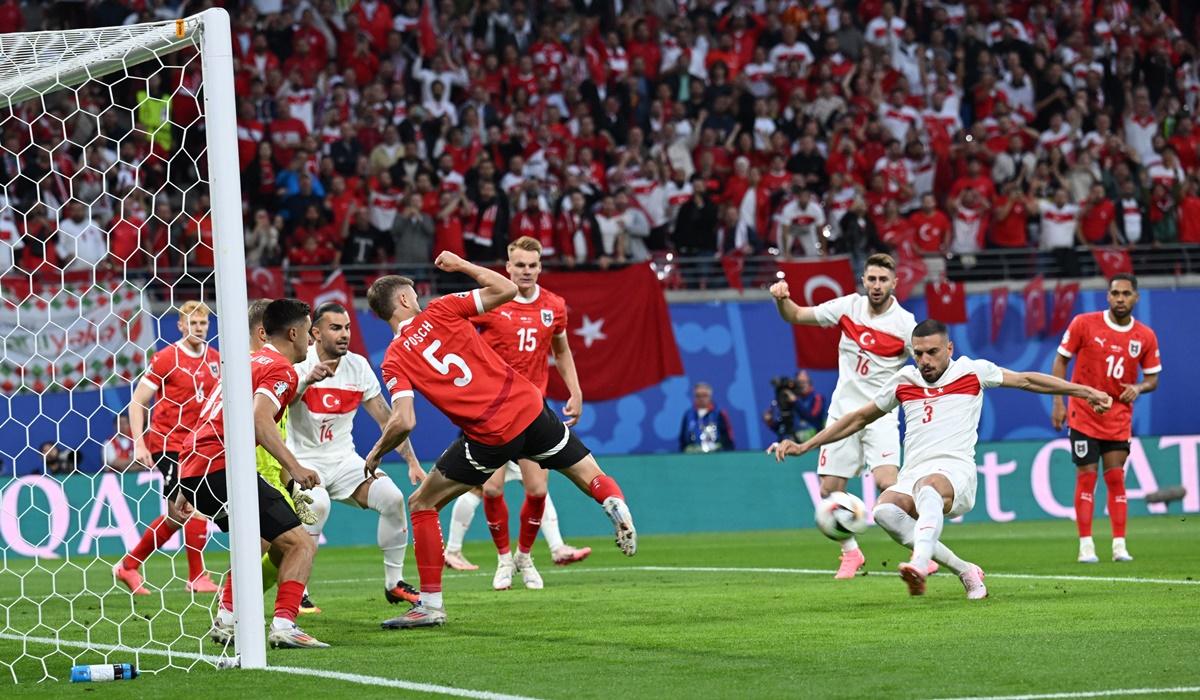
(444,364)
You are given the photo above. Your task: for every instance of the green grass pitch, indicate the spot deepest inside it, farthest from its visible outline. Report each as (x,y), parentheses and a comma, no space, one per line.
(760,622)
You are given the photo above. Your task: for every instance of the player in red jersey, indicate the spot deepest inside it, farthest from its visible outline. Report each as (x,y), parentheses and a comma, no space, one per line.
(179,379)
(524,332)
(501,413)
(203,484)
(1108,347)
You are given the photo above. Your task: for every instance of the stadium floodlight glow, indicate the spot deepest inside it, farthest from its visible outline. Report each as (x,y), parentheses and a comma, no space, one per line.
(111,130)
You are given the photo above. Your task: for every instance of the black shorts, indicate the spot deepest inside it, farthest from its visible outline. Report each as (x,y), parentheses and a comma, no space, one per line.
(168,464)
(208,495)
(1086,449)
(546,441)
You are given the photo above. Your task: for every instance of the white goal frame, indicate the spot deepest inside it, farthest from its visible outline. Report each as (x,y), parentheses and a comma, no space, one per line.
(76,56)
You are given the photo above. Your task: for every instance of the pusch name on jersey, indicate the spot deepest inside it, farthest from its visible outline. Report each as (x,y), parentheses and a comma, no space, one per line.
(417,335)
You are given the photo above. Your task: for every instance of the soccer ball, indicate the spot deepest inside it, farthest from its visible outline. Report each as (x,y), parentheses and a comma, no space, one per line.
(841,516)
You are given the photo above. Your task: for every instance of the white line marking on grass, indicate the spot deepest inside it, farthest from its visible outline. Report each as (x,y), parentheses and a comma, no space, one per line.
(390,683)
(1086,694)
(332,675)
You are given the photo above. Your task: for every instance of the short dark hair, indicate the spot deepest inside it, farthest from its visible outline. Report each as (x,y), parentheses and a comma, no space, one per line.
(282,314)
(1125,276)
(881,260)
(928,327)
(382,294)
(257,307)
(329,307)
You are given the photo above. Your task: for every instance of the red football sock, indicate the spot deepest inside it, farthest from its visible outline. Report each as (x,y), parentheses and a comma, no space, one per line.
(496,512)
(195,535)
(1118,509)
(287,599)
(603,487)
(158,533)
(427,544)
(227,592)
(1085,490)
(531,521)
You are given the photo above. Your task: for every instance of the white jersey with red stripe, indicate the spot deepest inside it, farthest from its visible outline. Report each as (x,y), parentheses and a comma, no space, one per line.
(320,423)
(871,350)
(941,419)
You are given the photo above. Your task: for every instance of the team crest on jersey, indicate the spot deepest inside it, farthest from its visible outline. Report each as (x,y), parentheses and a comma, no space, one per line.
(214,368)
(1081,448)
(547,317)
(281,388)
(1135,348)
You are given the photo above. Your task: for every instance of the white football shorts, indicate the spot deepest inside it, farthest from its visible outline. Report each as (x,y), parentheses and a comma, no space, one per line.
(875,445)
(963,476)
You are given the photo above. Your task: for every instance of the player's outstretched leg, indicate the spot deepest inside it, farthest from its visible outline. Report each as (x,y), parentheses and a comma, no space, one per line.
(590,479)
(1085,490)
(431,496)
(385,498)
(460,521)
(561,553)
(1118,510)
(902,527)
(195,537)
(162,529)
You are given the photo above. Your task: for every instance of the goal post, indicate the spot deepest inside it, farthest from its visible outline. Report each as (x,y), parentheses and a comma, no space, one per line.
(103,132)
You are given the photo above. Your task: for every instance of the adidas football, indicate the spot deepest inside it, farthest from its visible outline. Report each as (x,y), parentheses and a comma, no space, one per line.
(841,516)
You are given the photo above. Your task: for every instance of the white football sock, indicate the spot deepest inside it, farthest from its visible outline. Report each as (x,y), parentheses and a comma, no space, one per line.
(460,519)
(849,545)
(930,518)
(1087,541)
(282,623)
(225,617)
(1118,543)
(320,508)
(431,600)
(901,527)
(384,497)
(550,526)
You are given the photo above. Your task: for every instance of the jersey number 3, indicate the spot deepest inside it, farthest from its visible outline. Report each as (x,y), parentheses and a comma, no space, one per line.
(443,364)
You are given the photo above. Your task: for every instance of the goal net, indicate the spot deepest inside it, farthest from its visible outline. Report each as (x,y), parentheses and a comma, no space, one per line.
(119,204)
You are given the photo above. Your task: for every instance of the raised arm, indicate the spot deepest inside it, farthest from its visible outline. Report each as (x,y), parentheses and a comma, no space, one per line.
(1039,383)
(395,432)
(266,434)
(844,427)
(377,408)
(495,288)
(789,310)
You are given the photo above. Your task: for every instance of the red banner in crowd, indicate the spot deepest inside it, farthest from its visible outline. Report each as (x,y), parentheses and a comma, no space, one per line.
(264,283)
(335,289)
(911,269)
(733,264)
(947,301)
(810,284)
(1034,295)
(621,343)
(999,310)
(1112,261)
(1064,306)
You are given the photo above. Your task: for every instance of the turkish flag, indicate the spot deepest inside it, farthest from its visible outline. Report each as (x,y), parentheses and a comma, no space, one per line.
(1034,294)
(621,343)
(733,264)
(335,289)
(947,301)
(427,30)
(999,310)
(911,269)
(264,283)
(810,284)
(1064,306)
(1112,261)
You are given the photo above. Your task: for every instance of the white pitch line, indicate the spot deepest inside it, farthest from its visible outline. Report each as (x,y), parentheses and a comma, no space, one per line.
(333,675)
(1086,694)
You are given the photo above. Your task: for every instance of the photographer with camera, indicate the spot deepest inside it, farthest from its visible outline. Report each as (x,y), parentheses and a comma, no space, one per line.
(798,411)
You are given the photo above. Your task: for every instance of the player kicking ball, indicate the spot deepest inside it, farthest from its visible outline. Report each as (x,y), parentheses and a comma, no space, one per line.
(502,415)
(873,346)
(1108,348)
(203,483)
(524,332)
(320,421)
(942,398)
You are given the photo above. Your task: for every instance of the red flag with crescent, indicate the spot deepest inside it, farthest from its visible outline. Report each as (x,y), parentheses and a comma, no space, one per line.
(811,283)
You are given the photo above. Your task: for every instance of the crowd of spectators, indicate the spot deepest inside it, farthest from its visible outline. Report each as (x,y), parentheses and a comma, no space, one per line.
(383,131)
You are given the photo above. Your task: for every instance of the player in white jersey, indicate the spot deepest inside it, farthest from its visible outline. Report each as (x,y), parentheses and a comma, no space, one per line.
(873,347)
(320,421)
(942,398)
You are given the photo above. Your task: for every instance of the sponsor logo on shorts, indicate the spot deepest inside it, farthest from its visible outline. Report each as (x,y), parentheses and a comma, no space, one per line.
(1081,448)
